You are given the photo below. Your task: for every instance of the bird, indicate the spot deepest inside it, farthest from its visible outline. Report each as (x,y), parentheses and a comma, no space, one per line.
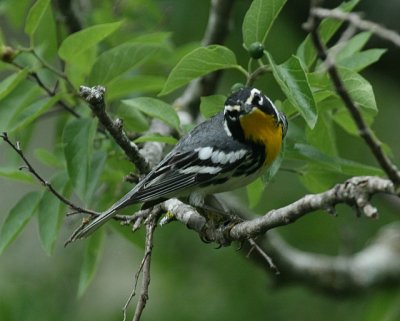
(227,151)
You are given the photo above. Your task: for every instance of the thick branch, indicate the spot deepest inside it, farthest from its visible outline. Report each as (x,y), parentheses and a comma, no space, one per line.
(364,130)
(355,192)
(378,264)
(95,97)
(375,265)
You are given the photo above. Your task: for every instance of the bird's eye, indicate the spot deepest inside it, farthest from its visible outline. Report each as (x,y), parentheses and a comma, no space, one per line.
(257,100)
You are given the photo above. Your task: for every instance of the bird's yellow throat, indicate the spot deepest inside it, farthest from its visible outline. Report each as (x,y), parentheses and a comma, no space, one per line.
(262,128)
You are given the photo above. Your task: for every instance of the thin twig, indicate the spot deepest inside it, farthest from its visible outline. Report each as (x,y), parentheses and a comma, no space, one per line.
(359,23)
(51,93)
(266,257)
(135,219)
(261,70)
(144,269)
(45,183)
(48,66)
(364,130)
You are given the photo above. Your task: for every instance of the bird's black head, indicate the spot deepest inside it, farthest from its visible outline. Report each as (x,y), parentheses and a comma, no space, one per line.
(251,104)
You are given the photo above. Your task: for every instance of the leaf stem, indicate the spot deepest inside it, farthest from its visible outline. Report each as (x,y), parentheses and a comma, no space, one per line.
(242,70)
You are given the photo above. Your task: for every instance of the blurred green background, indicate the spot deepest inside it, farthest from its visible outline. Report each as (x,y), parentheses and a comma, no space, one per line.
(192,280)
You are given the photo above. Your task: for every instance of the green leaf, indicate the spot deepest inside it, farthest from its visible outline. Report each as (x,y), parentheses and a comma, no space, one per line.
(359,89)
(384,304)
(26,116)
(293,81)
(259,20)
(197,63)
(78,138)
(80,41)
(17,218)
(360,60)
(155,108)
(35,15)
(21,97)
(48,158)
(254,192)
(212,105)
(347,54)
(51,212)
(318,179)
(140,84)
(156,138)
(327,29)
(353,168)
(8,84)
(45,39)
(93,249)
(352,46)
(125,57)
(16,175)
(134,120)
(313,155)
(275,166)
(95,169)
(81,66)
(343,118)
(323,135)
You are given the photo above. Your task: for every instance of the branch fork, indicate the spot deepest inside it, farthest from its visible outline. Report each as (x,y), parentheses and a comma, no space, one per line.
(95,97)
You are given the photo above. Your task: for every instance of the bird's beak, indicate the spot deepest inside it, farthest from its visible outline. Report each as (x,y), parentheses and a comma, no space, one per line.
(246,108)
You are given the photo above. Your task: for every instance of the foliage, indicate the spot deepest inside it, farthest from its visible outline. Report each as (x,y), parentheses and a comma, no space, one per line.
(142,75)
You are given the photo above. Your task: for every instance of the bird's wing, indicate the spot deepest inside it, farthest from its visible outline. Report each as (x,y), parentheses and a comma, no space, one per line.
(176,175)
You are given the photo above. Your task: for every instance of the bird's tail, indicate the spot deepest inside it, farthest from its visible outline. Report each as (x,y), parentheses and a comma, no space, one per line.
(92,226)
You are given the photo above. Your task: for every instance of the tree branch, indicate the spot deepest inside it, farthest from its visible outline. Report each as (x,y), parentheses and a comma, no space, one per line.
(45,183)
(355,20)
(95,97)
(144,268)
(51,93)
(364,130)
(355,192)
(375,265)
(378,264)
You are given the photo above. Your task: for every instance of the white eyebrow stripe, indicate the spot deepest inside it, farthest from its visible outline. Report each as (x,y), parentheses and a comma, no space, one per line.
(252,93)
(274,107)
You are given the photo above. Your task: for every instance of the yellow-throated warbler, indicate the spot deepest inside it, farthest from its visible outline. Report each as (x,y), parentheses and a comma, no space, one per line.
(225,152)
